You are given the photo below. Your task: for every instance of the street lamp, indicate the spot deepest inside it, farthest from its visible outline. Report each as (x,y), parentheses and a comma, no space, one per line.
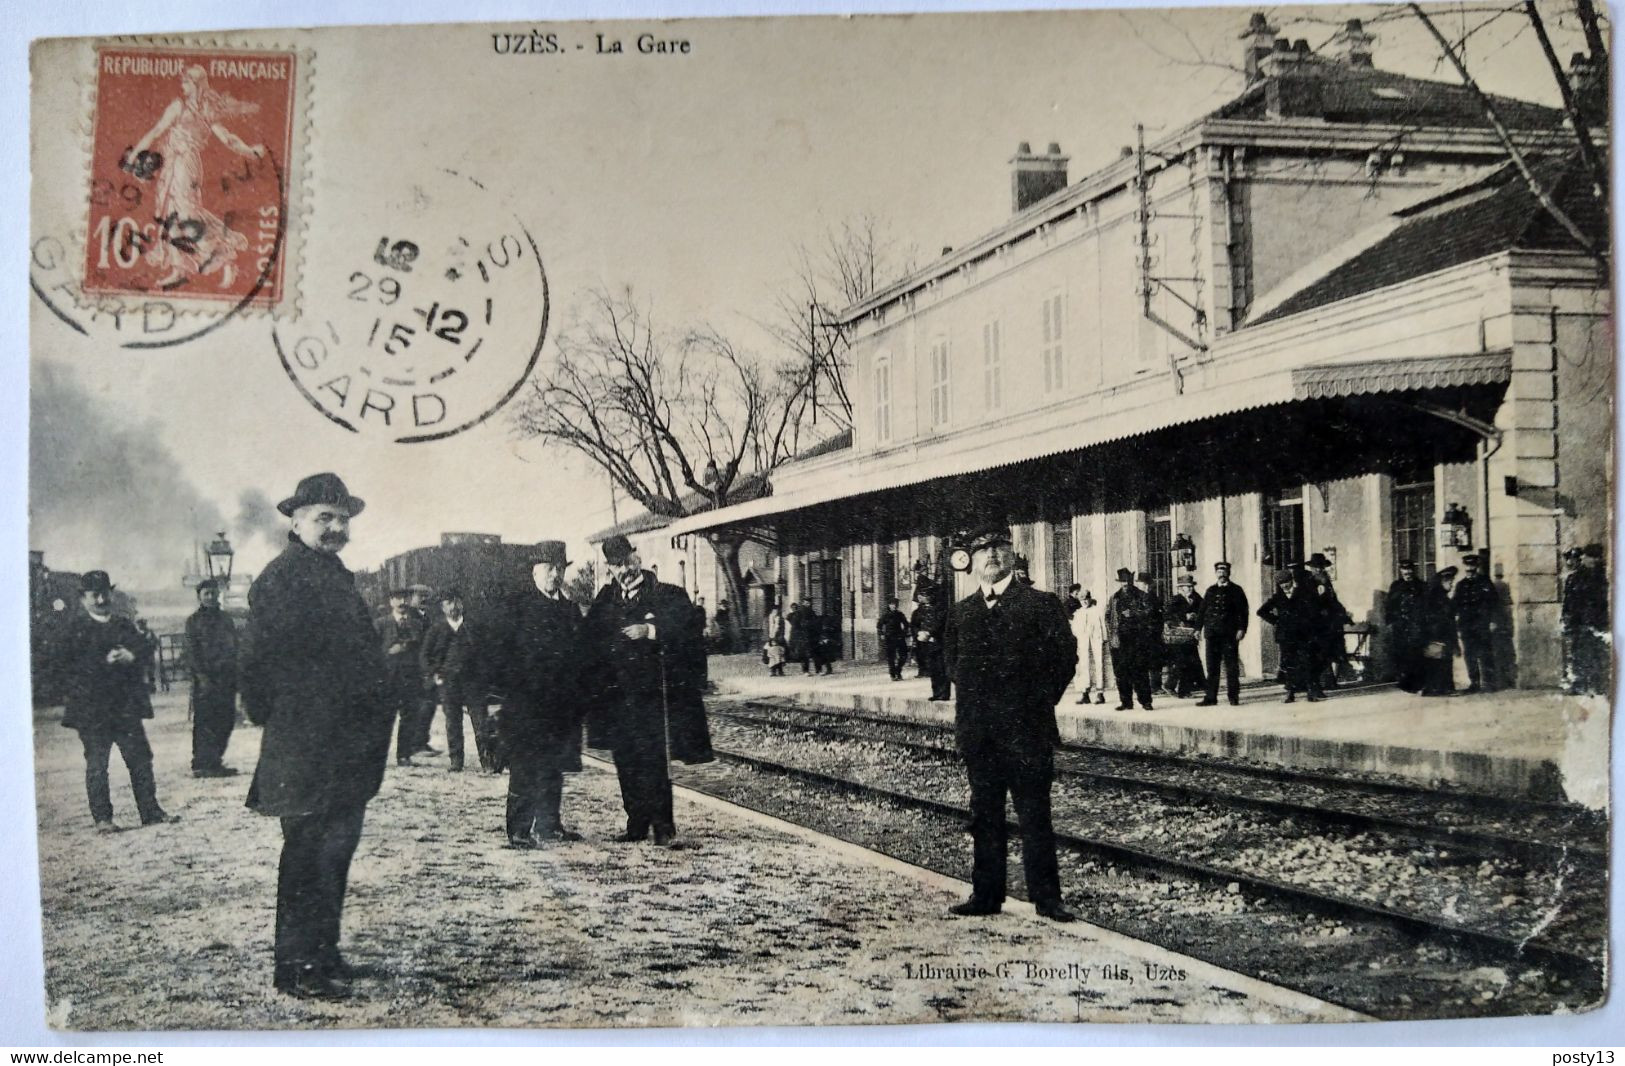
(218,557)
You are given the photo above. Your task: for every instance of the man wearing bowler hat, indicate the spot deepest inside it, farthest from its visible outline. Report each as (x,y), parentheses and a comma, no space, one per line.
(107,699)
(542,656)
(1011,655)
(648,700)
(454,650)
(211,656)
(313,675)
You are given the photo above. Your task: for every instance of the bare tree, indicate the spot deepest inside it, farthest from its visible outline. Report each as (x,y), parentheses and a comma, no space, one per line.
(672,417)
(847,263)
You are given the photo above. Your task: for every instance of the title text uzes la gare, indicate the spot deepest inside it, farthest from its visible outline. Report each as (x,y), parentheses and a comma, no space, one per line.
(538,43)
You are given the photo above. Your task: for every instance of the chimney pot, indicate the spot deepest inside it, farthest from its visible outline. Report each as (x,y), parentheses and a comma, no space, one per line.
(1352,44)
(1283,45)
(1258,23)
(1034,177)
(1126,153)
(947,249)
(1353,26)
(1301,46)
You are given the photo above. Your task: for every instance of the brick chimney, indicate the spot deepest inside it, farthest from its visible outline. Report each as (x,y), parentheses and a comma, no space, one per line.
(1352,45)
(1590,88)
(1034,177)
(1256,44)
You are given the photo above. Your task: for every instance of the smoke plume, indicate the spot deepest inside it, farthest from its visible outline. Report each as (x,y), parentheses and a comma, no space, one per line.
(257,516)
(103,490)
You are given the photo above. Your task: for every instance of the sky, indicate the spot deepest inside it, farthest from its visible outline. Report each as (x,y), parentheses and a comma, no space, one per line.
(688,178)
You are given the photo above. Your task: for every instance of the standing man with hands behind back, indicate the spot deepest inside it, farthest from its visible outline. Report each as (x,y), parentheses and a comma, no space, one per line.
(1011,655)
(312,673)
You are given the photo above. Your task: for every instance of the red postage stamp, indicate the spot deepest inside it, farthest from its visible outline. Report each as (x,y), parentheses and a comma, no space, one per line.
(188,180)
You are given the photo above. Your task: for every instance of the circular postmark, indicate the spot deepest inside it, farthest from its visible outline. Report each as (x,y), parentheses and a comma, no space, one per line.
(428,319)
(183,220)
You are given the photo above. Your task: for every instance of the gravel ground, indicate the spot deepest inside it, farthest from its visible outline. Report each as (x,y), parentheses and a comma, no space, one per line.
(1496,896)
(749,924)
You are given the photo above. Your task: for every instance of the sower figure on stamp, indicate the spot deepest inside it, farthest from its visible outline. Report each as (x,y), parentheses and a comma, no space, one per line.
(313,675)
(107,699)
(453,651)
(541,660)
(211,656)
(1011,655)
(1224,619)
(400,635)
(648,708)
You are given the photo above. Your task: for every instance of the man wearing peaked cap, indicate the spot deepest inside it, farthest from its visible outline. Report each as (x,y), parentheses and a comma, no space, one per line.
(1133,630)
(1011,655)
(312,673)
(1588,658)
(211,657)
(107,699)
(1224,618)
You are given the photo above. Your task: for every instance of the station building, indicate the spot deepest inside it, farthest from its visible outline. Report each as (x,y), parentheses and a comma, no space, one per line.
(1330,316)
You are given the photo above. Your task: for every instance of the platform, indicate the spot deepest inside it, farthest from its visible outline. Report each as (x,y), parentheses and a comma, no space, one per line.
(1543,745)
(753,922)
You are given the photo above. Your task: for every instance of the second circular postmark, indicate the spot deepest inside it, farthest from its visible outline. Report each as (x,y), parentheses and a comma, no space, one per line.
(429,318)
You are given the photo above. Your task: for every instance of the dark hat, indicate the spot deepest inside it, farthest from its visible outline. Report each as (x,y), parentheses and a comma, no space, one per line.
(95,581)
(617,550)
(1407,564)
(1469,560)
(1318,559)
(1124,574)
(322,488)
(1186,579)
(399,594)
(1143,577)
(451,592)
(1224,563)
(1447,574)
(550,551)
(1020,563)
(207,584)
(1592,551)
(984,536)
(1283,576)
(1574,552)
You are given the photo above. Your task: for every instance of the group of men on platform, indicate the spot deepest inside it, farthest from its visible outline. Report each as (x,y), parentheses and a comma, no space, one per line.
(329,686)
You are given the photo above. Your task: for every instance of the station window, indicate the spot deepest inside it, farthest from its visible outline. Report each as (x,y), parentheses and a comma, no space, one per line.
(883,400)
(1053,349)
(992,366)
(939,382)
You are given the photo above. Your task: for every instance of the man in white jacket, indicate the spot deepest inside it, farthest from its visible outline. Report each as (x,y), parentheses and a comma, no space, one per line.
(1089,627)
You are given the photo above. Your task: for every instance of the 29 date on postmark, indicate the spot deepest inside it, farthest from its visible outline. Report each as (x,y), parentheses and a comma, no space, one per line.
(186,217)
(429,316)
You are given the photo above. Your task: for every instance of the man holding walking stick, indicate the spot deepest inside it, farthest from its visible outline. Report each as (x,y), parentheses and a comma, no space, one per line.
(649,677)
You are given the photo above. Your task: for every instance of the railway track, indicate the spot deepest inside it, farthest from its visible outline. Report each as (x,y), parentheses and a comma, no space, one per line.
(1478,826)
(904,796)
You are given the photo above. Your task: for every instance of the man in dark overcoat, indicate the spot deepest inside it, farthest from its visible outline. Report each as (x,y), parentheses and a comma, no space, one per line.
(107,699)
(1403,613)
(400,636)
(1586,622)
(211,657)
(1224,619)
(893,631)
(1011,654)
(1184,615)
(1327,651)
(312,673)
(929,623)
(1299,624)
(541,658)
(648,681)
(1475,604)
(453,660)
(1134,630)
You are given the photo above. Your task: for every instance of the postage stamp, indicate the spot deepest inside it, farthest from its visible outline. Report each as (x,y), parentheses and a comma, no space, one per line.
(186,193)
